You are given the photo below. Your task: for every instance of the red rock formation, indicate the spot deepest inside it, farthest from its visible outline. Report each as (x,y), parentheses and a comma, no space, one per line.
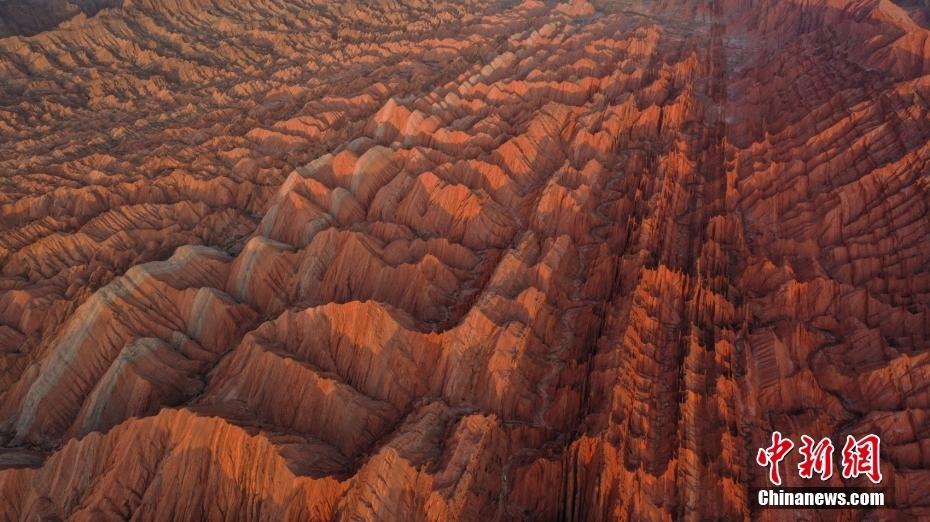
(459,261)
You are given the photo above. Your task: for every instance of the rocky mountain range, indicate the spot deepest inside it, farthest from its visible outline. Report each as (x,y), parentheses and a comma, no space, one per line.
(307,260)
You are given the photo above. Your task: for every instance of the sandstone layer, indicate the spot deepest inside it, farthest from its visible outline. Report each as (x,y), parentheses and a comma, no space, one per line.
(297,260)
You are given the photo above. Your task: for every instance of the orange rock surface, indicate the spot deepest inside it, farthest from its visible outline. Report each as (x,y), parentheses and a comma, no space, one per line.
(458,260)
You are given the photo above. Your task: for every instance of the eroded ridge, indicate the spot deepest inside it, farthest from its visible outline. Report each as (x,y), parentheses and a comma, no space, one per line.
(469,262)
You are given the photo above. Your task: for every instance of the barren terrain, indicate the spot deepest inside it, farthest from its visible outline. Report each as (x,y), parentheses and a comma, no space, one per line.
(296,260)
